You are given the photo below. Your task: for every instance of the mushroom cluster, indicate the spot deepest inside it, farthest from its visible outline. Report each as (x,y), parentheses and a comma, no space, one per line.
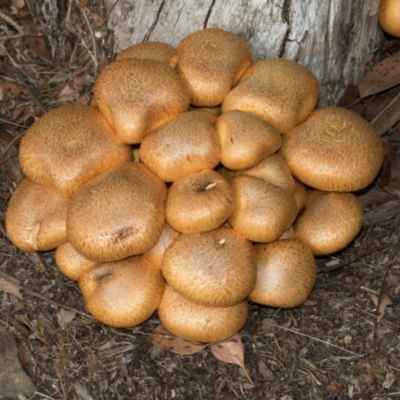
(241,182)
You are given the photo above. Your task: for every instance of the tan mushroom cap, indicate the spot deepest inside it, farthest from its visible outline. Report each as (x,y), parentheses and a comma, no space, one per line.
(192,321)
(279,91)
(333,150)
(330,221)
(286,273)
(122,293)
(36,217)
(274,169)
(300,195)
(245,139)
(389,16)
(263,210)
(117,214)
(157,51)
(210,62)
(68,146)
(72,263)
(139,95)
(215,268)
(185,145)
(199,202)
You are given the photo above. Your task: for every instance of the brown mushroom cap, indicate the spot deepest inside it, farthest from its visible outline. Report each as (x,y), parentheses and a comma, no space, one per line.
(300,195)
(215,268)
(122,293)
(333,150)
(139,95)
(263,210)
(192,321)
(279,91)
(185,145)
(117,214)
(157,51)
(36,217)
(389,16)
(286,273)
(330,221)
(68,146)
(199,202)
(210,62)
(245,140)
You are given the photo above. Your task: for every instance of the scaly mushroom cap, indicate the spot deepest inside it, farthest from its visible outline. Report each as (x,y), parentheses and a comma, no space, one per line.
(139,95)
(333,150)
(36,217)
(199,202)
(389,16)
(263,210)
(72,263)
(192,321)
(330,221)
(157,51)
(185,145)
(215,268)
(122,293)
(245,140)
(117,214)
(279,91)
(210,62)
(68,146)
(286,273)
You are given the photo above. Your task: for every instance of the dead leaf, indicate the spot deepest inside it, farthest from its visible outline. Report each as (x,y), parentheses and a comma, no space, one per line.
(383,76)
(98,21)
(18,3)
(10,285)
(385,301)
(73,87)
(231,351)
(335,387)
(369,378)
(64,317)
(164,339)
(264,370)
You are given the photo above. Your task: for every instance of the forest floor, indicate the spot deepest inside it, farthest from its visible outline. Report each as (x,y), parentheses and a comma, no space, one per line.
(343,343)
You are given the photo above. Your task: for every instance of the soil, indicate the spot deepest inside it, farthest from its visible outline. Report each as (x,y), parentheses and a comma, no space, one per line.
(343,343)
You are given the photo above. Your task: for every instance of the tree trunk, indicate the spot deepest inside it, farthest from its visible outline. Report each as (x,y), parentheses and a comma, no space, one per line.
(338,40)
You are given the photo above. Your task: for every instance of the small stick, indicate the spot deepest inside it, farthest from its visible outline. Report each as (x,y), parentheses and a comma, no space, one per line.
(21,35)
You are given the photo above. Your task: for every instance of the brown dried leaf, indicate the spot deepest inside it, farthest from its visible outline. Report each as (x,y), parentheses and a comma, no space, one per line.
(167,341)
(384,75)
(264,370)
(10,285)
(385,301)
(18,3)
(335,387)
(74,85)
(231,351)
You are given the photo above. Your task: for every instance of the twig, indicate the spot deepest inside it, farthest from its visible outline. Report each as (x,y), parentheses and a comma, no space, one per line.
(21,35)
(371,314)
(9,20)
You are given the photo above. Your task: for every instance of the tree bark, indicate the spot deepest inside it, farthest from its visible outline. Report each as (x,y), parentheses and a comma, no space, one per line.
(338,40)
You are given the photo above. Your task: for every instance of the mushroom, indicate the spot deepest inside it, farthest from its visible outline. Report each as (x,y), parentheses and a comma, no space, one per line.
(210,62)
(122,293)
(195,322)
(333,150)
(117,214)
(286,273)
(199,202)
(36,217)
(68,146)
(279,91)
(214,268)
(137,96)
(389,16)
(330,221)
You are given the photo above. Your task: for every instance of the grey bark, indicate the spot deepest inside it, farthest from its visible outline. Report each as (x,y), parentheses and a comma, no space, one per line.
(338,40)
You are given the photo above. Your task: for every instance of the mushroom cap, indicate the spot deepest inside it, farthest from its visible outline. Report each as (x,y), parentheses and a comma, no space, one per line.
(68,146)
(122,293)
(157,51)
(333,150)
(279,91)
(330,221)
(72,263)
(192,321)
(139,95)
(300,195)
(214,268)
(36,217)
(286,273)
(185,145)
(389,16)
(245,139)
(199,202)
(210,62)
(117,214)
(263,210)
